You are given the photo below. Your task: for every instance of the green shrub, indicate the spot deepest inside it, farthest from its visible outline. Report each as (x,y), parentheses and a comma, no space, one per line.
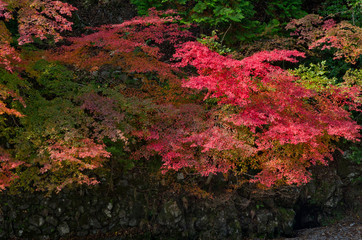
(238,20)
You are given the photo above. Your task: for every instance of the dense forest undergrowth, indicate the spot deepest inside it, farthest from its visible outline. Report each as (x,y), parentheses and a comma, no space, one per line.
(252,92)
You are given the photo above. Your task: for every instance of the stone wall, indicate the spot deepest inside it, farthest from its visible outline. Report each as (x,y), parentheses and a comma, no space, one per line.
(136,206)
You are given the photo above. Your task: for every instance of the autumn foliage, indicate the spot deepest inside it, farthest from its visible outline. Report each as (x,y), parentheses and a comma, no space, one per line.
(6,165)
(36,19)
(198,111)
(289,130)
(343,38)
(6,162)
(135,46)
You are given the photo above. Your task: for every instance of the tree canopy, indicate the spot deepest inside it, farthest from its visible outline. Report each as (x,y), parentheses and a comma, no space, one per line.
(156,88)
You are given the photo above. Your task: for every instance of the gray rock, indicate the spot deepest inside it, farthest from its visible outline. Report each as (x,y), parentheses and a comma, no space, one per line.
(82,233)
(63,229)
(110,206)
(234,229)
(113,227)
(36,220)
(337,194)
(85,226)
(33,230)
(265,223)
(48,229)
(81,209)
(94,223)
(242,203)
(116,209)
(287,196)
(51,220)
(201,223)
(65,218)
(58,211)
(221,224)
(170,214)
(263,216)
(12,214)
(20,233)
(107,213)
(286,220)
(123,219)
(352,176)
(325,192)
(222,227)
(133,222)
(94,201)
(53,205)
(123,183)
(44,212)
(24,206)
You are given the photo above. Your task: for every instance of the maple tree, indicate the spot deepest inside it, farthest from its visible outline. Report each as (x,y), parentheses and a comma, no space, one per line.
(4,94)
(343,38)
(188,137)
(6,165)
(309,28)
(36,19)
(6,162)
(283,127)
(8,54)
(198,110)
(136,46)
(61,137)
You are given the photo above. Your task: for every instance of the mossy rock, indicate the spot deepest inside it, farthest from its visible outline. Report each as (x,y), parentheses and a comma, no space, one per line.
(286,220)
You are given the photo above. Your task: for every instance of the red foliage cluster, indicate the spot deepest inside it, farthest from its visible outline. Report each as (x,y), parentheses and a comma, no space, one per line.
(84,154)
(4,94)
(133,45)
(3,12)
(278,111)
(36,19)
(8,55)
(344,38)
(81,150)
(7,164)
(309,28)
(269,120)
(188,137)
(60,151)
(41,19)
(109,42)
(255,114)
(108,115)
